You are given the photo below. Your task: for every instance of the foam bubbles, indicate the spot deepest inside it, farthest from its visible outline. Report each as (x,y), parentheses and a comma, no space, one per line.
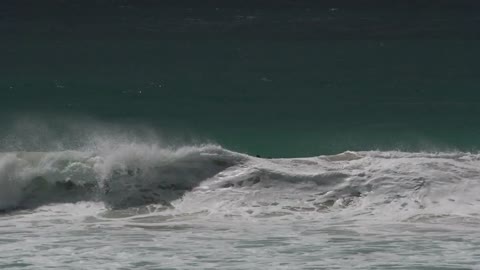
(210,179)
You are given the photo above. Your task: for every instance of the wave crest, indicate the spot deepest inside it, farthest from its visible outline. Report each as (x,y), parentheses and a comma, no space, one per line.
(209,178)
(121,176)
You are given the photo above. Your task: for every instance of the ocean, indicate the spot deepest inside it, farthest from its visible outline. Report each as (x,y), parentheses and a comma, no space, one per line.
(239,134)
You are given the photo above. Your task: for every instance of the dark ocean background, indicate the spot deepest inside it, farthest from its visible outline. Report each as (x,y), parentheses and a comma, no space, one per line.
(275,78)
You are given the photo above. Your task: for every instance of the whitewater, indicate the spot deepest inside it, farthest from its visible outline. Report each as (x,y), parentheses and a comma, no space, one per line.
(146,206)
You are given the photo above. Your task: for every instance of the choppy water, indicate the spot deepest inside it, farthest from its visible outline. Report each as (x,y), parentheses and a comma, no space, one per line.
(138,205)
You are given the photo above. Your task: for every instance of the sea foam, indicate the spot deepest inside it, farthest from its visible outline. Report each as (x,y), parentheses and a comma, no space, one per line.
(187,179)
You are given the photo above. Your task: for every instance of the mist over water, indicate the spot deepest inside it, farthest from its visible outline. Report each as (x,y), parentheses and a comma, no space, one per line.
(205,206)
(110,188)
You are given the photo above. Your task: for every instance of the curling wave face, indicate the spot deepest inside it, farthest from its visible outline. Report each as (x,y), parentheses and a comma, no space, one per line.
(213,180)
(122,176)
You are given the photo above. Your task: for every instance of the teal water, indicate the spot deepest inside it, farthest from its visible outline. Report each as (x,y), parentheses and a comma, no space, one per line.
(290,80)
(129,134)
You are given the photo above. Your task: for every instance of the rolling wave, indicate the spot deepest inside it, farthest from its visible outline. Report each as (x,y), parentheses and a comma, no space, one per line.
(210,178)
(129,174)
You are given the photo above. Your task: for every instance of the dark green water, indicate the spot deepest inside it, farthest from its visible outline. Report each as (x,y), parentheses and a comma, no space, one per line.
(292,79)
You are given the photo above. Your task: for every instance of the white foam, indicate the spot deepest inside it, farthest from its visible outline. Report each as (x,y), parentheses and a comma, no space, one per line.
(389,185)
(207,178)
(108,168)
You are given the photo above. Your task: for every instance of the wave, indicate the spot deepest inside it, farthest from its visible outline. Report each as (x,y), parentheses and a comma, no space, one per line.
(122,176)
(211,178)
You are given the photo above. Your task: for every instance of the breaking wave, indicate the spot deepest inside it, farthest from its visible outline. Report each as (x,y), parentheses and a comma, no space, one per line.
(122,176)
(210,178)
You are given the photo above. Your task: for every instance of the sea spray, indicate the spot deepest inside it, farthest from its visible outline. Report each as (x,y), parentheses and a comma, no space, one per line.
(218,181)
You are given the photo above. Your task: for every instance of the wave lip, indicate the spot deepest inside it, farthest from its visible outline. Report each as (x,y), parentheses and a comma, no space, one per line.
(130,174)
